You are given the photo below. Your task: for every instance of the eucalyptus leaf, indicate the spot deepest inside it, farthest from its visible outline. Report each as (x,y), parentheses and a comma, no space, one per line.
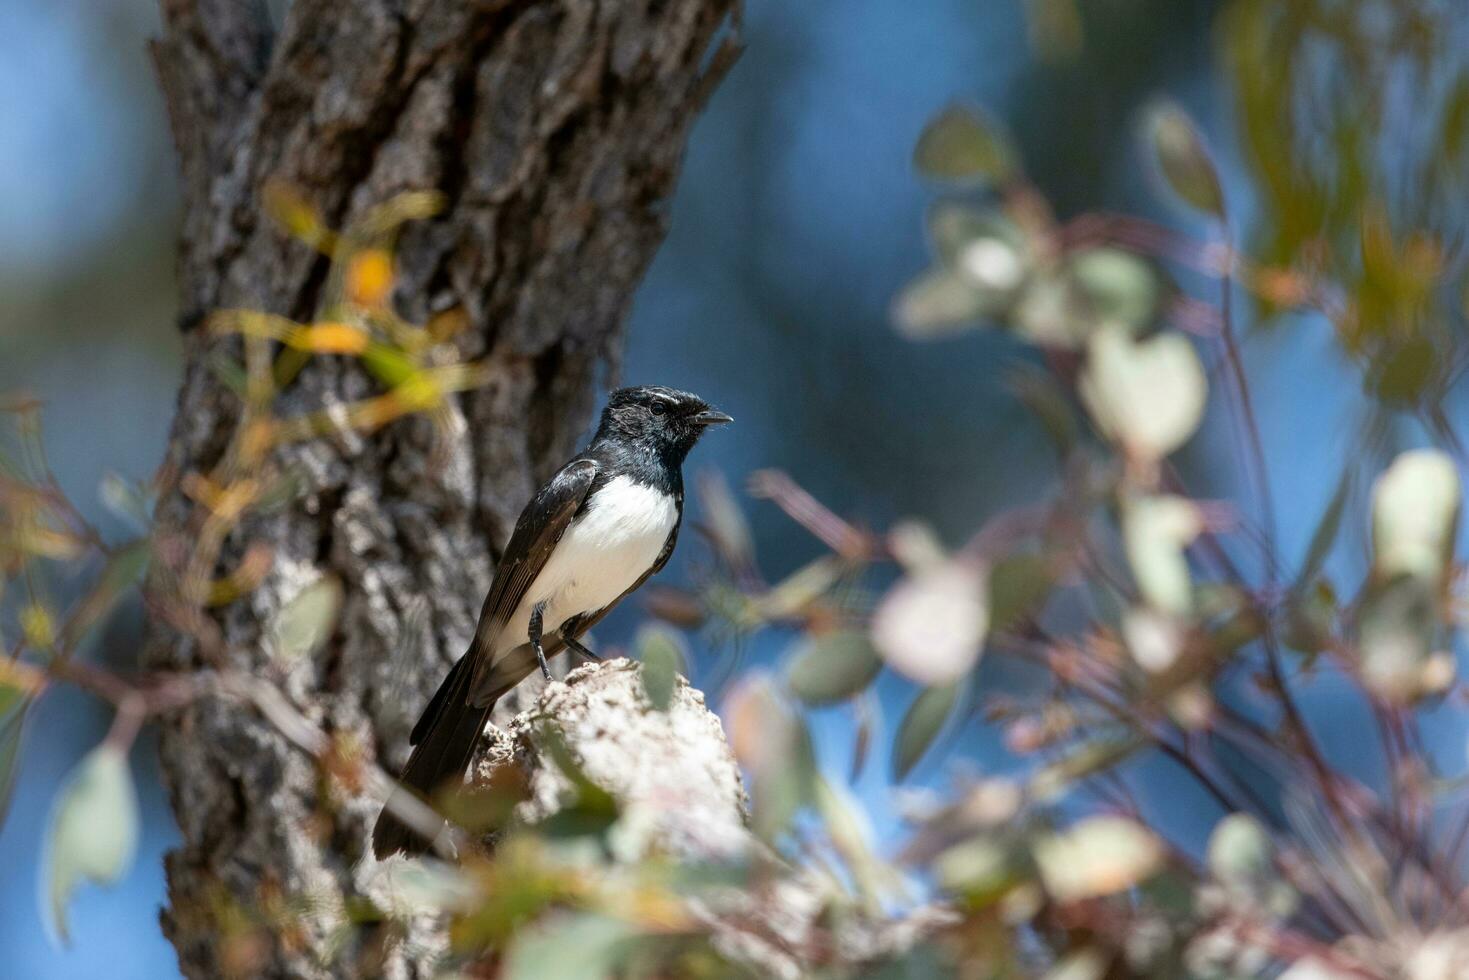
(93,832)
(1326,531)
(1118,287)
(1415,513)
(570,946)
(984,247)
(1240,851)
(931,626)
(662,652)
(981,868)
(1241,857)
(1183,160)
(771,742)
(1097,856)
(963,145)
(939,303)
(1155,531)
(725,521)
(1396,632)
(305,622)
(12,728)
(832,667)
(921,724)
(1018,587)
(1149,395)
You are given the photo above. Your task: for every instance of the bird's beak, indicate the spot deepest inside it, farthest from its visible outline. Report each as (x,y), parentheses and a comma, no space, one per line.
(710,417)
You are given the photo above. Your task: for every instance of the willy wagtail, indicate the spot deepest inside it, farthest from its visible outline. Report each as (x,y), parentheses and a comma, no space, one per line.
(604,523)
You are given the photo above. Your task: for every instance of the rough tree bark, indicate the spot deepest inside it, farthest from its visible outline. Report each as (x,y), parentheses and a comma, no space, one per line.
(555,129)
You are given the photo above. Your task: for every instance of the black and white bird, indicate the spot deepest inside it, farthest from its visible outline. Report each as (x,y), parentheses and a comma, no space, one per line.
(594,533)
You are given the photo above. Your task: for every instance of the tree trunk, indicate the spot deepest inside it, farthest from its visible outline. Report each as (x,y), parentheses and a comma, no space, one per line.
(555,129)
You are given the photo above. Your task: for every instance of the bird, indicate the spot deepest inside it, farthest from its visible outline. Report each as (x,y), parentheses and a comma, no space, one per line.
(589,537)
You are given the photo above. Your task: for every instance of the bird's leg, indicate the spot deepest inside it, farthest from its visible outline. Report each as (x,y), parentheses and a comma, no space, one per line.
(535,638)
(576,647)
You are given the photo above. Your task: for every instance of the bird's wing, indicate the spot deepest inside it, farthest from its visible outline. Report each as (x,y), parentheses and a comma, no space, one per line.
(541,525)
(586,622)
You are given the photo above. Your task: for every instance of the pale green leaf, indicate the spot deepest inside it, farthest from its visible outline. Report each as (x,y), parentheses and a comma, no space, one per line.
(939,303)
(12,726)
(931,626)
(663,655)
(1097,856)
(1183,160)
(964,145)
(1415,513)
(1117,287)
(1018,587)
(1155,531)
(1149,395)
(1326,531)
(93,833)
(832,667)
(921,724)
(570,946)
(1396,631)
(305,622)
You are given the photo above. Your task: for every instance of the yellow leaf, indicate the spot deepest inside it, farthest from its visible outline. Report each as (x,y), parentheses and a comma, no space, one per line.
(38,625)
(331,338)
(370,277)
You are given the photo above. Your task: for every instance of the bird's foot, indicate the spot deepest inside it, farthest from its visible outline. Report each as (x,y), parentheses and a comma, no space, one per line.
(534,635)
(576,647)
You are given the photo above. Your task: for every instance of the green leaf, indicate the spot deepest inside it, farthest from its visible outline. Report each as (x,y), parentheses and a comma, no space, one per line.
(124,499)
(931,625)
(964,145)
(1155,531)
(832,667)
(1183,160)
(1088,759)
(1326,531)
(939,303)
(851,834)
(726,522)
(1240,851)
(1310,618)
(981,869)
(1117,287)
(1149,396)
(1402,374)
(124,569)
(1415,513)
(1396,636)
(306,622)
(1241,857)
(662,652)
(571,946)
(983,247)
(1019,586)
(93,834)
(921,724)
(1037,390)
(12,727)
(1098,856)
(771,742)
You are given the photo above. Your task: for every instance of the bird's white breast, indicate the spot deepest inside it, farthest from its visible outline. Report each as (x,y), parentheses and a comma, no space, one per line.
(603,552)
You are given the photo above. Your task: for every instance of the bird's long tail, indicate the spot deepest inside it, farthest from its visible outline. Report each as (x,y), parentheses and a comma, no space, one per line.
(443,743)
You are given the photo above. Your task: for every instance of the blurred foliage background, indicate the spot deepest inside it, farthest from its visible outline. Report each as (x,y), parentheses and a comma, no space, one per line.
(1340,131)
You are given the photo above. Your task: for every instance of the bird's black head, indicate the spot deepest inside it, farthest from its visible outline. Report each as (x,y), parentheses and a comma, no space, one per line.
(664,419)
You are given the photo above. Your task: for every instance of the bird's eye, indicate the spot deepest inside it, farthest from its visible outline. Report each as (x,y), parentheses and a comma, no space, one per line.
(660,407)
